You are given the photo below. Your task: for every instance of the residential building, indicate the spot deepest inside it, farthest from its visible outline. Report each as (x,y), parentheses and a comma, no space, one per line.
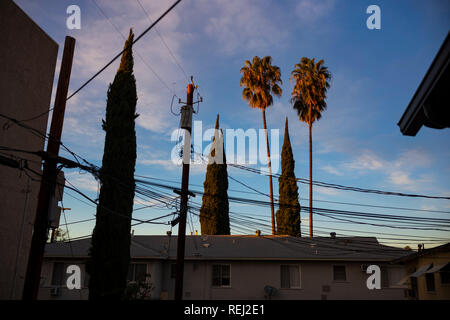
(428,273)
(28,59)
(242,267)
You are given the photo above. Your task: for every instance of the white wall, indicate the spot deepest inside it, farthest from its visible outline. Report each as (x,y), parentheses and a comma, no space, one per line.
(248,279)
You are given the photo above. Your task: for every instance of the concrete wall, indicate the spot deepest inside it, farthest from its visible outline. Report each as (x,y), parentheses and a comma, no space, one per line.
(248,279)
(27,66)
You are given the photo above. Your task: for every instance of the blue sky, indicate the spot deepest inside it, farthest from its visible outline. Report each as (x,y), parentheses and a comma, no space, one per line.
(357,142)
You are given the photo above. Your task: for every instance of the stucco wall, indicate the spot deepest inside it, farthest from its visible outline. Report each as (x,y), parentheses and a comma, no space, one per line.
(27,66)
(442,291)
(248,279)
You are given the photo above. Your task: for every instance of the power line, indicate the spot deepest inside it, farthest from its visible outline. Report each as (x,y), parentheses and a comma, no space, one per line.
(325,212)
(126,48)
(257,192)
(123,37)
(164,42)
(342,187)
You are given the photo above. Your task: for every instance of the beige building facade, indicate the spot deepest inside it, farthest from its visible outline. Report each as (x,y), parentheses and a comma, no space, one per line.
(242,268)
(27,66)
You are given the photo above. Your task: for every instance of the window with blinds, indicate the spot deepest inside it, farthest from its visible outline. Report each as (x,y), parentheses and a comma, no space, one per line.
(339,273)
(429,277)
(384,277)
(221,275)
(137,272)
(58,274)
(290,276)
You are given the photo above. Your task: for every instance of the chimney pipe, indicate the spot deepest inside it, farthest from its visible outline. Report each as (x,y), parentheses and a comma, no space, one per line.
(333,235)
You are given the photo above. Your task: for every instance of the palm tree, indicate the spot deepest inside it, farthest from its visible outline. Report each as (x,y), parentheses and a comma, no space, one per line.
(308,98)
(260,80)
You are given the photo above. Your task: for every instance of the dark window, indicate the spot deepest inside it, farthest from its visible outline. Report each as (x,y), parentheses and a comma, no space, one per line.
(384,277)
(137,272)
(86,277)
(58,274)
(290,276)
(221,275)
(445,274)
(430,281)
(339,273)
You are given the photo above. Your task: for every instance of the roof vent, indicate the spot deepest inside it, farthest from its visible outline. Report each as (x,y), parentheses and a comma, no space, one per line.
(258,233)
(333,235)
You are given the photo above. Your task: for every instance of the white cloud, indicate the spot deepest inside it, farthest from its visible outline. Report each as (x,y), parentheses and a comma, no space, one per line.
(400,178)
(332,170)
(154,67)
(84,182)
(166,164)
(311,10)
(326,191)
(406,170)
(367,160)
(237,24)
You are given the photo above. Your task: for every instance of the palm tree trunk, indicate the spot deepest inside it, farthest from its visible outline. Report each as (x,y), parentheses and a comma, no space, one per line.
(270,172)
(310,183)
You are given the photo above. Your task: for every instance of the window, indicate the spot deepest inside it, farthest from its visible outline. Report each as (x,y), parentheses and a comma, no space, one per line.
(137,272)
(339,273)
(430,282)
(58,274)
(290,276)
(221,275)
(445,274)
(86,277)
(384,277)
(173,270)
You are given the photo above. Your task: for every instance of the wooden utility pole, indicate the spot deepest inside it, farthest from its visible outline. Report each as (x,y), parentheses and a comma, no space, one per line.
(48,181)
(310,177)
(184,198)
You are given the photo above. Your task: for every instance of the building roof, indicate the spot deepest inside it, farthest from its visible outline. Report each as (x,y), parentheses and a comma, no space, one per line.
(429,105)
(424,252)
(244,248)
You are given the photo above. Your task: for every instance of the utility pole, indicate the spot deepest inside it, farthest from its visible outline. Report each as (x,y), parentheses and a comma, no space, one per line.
(48,181)
(186,123)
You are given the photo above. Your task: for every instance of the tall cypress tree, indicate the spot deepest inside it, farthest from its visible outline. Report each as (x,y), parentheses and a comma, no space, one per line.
(110,248)
(288,216)
(214,213)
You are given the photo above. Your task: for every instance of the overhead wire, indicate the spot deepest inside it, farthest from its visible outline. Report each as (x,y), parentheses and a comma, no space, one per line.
(126,48)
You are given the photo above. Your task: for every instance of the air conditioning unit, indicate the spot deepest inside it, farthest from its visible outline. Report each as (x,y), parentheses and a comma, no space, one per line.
(364,267)
(55,291)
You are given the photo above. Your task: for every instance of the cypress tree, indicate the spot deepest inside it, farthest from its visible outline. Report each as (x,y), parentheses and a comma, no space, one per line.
(288,215)
(110,247)
(214,213)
